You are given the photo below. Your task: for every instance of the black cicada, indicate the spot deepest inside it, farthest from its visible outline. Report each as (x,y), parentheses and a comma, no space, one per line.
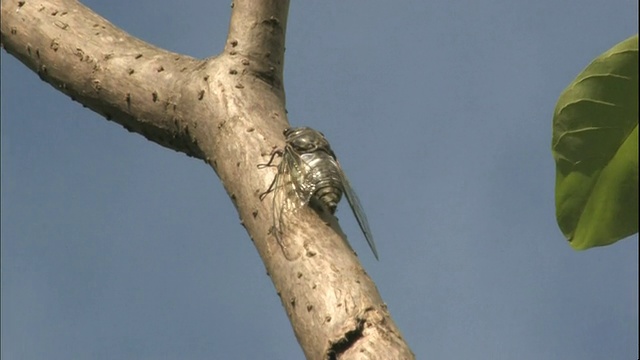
(310,173)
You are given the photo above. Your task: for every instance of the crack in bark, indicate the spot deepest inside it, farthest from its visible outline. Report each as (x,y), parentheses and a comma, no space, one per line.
(343,344)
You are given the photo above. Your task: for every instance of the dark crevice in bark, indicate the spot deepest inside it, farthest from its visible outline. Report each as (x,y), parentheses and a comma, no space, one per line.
(343,344)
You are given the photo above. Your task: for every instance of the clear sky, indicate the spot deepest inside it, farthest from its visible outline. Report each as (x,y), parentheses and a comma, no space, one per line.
(440,112)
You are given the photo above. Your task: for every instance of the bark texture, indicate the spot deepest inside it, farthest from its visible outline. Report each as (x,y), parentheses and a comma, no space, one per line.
(229,111)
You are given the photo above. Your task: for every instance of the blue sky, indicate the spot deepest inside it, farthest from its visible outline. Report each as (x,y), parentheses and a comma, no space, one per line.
(440,112)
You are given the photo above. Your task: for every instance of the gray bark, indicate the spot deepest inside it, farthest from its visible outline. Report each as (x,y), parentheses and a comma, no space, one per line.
(229,111)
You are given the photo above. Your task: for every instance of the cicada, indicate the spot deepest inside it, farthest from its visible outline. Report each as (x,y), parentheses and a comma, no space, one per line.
(309,173)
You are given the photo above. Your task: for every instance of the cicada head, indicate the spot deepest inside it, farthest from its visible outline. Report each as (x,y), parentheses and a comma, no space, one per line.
(307,140)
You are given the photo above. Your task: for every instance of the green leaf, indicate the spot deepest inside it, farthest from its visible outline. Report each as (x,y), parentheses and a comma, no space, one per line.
(595,146)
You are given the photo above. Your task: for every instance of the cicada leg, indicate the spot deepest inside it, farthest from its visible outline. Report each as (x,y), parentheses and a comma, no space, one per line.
(271,187)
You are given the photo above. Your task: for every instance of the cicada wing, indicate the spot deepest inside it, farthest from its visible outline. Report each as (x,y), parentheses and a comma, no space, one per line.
(301,175)
(286,199)
(358,212)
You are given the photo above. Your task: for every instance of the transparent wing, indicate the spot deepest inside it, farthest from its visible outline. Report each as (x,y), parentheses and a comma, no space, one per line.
(301,173)
(358,212)
(289,195)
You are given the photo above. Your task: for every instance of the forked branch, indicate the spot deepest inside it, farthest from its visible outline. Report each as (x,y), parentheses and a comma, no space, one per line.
(229,111)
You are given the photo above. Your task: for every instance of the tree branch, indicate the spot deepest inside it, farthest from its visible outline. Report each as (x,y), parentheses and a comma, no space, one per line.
(102,67)
(230,112)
